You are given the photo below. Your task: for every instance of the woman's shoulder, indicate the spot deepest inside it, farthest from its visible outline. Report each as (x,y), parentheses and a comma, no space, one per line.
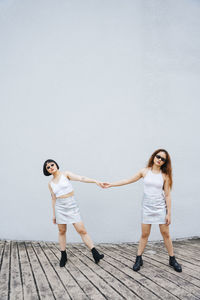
(144,171)
(165,176)
(49,184)
(66,174)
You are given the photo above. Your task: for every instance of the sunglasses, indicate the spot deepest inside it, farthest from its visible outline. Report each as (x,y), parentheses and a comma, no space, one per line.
(50,166)
(160,157)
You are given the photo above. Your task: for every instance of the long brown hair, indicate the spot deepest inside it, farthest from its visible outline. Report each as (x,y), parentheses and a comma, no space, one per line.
(166,168)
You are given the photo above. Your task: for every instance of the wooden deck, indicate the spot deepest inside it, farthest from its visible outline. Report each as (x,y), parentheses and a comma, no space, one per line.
(30,270)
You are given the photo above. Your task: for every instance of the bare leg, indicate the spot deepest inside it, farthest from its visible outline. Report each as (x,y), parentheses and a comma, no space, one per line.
(80,228)
(62,236)
(146,229)
(164,229)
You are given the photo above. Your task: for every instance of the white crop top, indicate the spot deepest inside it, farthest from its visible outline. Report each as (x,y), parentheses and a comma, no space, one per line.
(63,186)
(153,183)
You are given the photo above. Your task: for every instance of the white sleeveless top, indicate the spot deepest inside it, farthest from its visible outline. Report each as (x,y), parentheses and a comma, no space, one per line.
(63,186)
(153,183)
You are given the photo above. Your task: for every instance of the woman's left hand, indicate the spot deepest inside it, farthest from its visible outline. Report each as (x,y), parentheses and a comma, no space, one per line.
(99,183)
(168,219)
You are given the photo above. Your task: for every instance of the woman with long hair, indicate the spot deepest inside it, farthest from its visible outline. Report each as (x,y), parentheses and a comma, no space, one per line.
(65,208)
(156,205)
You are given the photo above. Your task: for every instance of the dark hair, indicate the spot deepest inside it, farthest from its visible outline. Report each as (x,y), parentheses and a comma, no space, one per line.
(46,173)
(166,167)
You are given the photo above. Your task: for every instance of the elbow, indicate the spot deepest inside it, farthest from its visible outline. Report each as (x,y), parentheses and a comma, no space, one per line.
(167,197)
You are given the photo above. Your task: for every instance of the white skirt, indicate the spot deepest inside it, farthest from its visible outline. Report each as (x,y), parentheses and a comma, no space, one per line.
(67,211)
(154,209)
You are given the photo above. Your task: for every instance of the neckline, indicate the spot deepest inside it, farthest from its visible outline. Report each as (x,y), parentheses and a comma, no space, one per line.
(155,173)
(58,180)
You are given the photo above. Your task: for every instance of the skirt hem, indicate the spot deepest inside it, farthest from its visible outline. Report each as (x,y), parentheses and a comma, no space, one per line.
(152,223)
(70,222)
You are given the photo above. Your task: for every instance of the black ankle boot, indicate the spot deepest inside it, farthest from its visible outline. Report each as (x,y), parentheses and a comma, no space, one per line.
(96,255)
(173,263)
(63,258)
(138,263)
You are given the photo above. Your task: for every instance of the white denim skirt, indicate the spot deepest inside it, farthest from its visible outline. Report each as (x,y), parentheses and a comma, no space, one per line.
(67,211)
(154,209)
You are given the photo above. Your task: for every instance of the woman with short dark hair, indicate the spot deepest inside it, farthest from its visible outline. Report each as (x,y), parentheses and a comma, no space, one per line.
(156,207)
(65,208)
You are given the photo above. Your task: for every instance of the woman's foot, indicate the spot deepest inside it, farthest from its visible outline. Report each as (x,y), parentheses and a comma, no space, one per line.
(138,263)
(63,258)
(173,263)
(96,255)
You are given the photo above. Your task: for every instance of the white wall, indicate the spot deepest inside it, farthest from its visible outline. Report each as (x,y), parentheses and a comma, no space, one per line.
(98,86)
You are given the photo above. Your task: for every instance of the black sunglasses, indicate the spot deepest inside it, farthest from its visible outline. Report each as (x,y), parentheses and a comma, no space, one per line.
(160,157)
(50,166)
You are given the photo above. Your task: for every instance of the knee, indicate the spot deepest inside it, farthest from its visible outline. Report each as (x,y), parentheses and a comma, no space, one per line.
(62,231)
(82,231)
(145,235)
(165,234)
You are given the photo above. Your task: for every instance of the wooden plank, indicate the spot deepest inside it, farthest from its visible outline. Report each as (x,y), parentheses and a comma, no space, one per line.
(160,255)
(59,291)
(2,243)
(162,252)
(181,259)
(158,260)
(187,282)
(16,291)
(181,279)
(190,254)
(90,272)
(5,274)
(160,278)
(28,283)
(2,247)
(188,268)
(115,278)
(33,272)
(143,282)
(67,279)
(195,242)
(86,285)
(189,246)
(44,289)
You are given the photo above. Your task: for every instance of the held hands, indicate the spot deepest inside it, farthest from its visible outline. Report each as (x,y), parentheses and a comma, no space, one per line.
(103,185)
(106,185)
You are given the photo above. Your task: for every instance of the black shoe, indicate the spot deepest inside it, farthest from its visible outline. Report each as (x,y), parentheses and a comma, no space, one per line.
(173,263)
(96,255)
(138,263)
(63,259)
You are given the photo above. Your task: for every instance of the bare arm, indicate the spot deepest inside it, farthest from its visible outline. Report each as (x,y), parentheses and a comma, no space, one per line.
(75,177)
(132,179)
(167,198)
(53,200)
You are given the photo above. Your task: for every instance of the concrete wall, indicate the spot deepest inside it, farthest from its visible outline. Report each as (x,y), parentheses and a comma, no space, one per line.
(97,86)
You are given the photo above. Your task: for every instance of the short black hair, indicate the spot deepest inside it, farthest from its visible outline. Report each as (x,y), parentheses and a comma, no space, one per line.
(46,173)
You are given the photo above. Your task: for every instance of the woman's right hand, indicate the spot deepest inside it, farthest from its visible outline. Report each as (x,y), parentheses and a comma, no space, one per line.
(106,185)
(54,220)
